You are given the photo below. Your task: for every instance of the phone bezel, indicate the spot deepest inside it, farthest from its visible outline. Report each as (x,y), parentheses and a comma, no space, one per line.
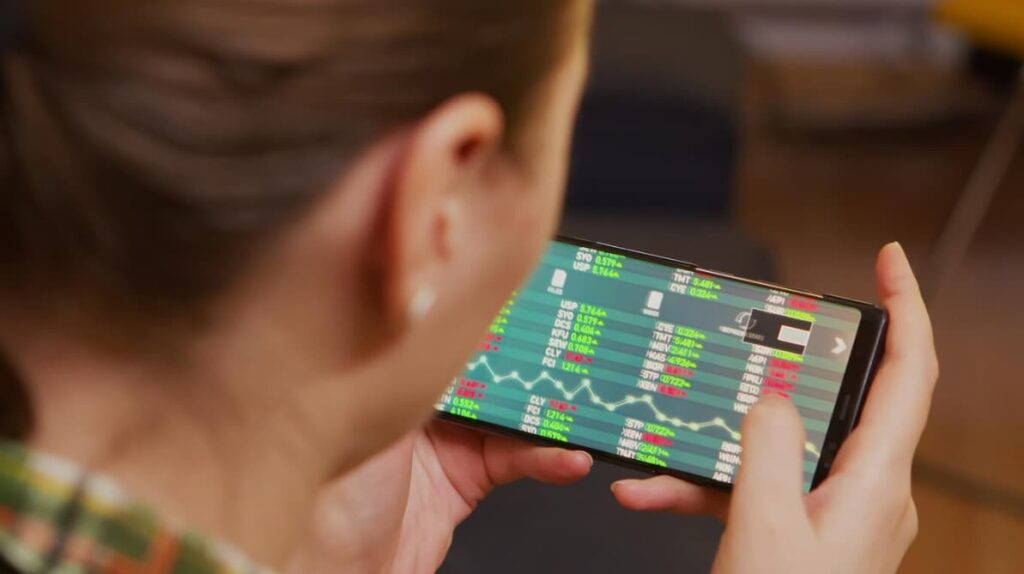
(865,355)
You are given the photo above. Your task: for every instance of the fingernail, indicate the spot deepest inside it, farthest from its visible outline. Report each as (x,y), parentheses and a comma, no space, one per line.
(771,399)
(620,483)
(586,456)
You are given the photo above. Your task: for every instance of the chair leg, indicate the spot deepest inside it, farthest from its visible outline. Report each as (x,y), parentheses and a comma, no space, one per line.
(974,201)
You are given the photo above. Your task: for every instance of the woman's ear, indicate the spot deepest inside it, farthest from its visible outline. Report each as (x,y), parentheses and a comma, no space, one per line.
(445,158)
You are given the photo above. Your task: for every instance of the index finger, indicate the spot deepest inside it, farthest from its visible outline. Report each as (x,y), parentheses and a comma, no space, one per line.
(897,407)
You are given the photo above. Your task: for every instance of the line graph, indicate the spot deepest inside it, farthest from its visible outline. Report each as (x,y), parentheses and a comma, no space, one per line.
(586,386)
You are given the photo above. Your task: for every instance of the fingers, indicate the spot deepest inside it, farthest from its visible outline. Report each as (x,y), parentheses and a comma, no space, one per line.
(897,407)
(771,476)
(667,494)
(508,460)
(911,330)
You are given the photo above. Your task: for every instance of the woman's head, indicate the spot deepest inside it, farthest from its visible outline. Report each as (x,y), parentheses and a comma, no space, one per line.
(274,192)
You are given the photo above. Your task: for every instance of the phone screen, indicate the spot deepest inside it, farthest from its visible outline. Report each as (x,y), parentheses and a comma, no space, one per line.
(654,362)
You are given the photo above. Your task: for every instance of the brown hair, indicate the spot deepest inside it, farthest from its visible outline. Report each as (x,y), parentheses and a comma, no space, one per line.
(148,148)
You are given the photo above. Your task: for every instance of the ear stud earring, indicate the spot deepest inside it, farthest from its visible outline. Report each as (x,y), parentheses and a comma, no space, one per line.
(421,304)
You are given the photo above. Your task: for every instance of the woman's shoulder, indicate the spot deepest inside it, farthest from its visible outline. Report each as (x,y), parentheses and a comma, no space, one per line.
(55,516)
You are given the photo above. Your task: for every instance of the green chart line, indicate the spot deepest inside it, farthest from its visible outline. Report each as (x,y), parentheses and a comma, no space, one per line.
(586,386)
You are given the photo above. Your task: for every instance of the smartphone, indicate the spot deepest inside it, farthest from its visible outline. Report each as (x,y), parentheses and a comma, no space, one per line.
(652,363)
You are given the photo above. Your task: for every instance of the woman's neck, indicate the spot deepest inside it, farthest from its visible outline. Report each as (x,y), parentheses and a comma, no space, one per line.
(236,462)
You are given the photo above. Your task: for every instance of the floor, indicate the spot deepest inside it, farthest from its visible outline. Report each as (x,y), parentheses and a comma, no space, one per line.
(827,201)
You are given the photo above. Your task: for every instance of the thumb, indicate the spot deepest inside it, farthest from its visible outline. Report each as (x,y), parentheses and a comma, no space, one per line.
(771,474)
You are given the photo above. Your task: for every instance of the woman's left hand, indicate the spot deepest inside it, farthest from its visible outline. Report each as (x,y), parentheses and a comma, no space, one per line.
(397,512)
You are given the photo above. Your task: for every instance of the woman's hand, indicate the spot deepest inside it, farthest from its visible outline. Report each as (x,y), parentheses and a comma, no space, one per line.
(397,512)
(862,519)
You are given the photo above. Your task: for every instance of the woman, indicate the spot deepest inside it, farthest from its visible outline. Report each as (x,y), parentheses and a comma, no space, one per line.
(244,244)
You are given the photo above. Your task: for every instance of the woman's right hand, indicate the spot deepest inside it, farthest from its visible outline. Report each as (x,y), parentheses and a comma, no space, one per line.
(862,519)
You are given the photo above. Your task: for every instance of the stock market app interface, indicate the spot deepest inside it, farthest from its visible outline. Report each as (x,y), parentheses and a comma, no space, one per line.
(652,363)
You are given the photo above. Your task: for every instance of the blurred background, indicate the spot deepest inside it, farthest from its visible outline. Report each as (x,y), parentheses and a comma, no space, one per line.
(789,140)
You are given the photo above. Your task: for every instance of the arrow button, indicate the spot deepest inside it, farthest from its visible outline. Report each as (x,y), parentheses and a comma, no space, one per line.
(840,347)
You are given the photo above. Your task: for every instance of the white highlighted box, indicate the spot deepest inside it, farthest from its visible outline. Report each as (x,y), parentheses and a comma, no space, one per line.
(794,336)
(654,300)
(558,278)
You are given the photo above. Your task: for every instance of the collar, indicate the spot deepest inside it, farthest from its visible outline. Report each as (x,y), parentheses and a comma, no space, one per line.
(55,516)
